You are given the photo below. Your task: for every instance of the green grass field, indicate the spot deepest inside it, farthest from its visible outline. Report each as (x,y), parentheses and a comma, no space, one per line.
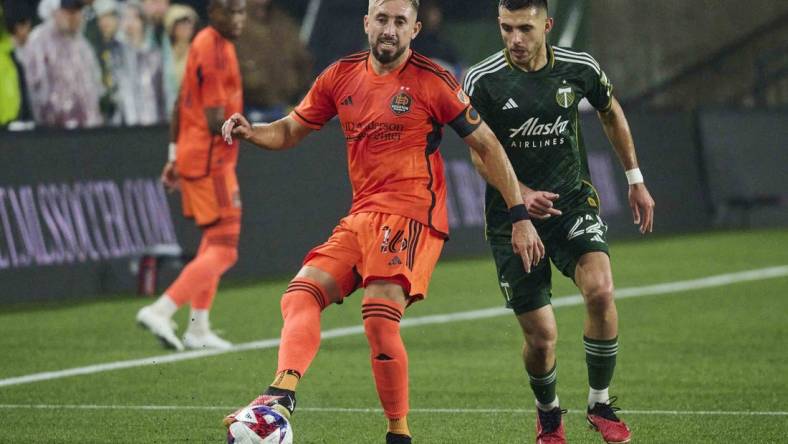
(706,365)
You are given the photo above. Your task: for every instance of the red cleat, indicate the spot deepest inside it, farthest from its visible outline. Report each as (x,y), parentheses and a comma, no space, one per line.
(602,418)
(549,428)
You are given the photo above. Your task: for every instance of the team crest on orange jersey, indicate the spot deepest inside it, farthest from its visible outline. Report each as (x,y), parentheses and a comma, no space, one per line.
(463,98)
(400,103)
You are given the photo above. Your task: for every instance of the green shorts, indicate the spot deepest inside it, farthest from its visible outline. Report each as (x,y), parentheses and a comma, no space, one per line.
(566,238)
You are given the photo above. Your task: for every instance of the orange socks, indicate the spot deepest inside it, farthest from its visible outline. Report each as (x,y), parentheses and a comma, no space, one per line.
(389,359)
(301,306)
(200,278)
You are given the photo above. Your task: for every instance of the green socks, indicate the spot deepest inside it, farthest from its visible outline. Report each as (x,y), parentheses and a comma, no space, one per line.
(601,361)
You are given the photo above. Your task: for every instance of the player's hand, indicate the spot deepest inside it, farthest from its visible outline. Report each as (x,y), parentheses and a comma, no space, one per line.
(642,206)
(237,126)
(527,244)
(539,203)
(169,177)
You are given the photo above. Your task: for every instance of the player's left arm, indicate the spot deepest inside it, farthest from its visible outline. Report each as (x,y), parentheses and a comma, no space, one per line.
(492,163)
(617,130)
(215,118)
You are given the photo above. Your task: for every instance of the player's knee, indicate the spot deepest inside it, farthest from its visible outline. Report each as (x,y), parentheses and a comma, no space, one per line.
(230,256)
(379,331)
(541,344)
(302,296)
(381,326)
(220,258)
(598,294)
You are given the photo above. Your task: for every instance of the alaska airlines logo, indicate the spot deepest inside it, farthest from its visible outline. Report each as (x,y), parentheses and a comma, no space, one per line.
(532,127)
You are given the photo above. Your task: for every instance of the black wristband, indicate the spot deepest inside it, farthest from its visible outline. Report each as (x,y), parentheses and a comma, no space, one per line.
(518,213)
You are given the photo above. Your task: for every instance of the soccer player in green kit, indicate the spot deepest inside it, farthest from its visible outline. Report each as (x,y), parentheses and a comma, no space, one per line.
(529,95)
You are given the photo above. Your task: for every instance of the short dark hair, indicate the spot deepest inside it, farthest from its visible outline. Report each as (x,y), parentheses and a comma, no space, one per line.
(514,5)
(15,13)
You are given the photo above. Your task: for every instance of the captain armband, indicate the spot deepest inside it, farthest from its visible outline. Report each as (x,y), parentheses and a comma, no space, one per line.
(467,122)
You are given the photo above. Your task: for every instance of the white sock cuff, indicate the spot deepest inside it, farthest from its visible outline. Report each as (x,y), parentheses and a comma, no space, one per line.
(595,396)
(165,306)
(547,407)
(198,320)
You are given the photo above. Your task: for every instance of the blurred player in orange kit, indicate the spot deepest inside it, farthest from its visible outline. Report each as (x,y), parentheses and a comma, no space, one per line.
(203,167)
(392,104)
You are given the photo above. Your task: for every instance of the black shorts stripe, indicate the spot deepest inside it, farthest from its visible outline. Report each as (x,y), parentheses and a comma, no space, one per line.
(365,317)
(411,241)
(414,243)
(220,190)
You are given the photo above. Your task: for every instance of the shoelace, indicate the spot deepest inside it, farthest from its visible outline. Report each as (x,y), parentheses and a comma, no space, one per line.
(607,411)
(550,420)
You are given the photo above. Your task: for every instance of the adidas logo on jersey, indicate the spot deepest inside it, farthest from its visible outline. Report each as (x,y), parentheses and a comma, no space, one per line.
(348,101)
(510,104)
(395,261)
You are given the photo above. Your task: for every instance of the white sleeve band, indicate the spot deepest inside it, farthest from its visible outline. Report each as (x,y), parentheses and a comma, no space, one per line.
(171,152)
(634,176)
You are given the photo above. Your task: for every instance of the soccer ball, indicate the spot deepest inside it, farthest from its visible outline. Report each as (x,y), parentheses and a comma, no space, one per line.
(260,425)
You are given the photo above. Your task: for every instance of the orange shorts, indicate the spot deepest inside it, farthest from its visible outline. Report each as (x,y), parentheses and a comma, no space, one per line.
(212,198)
(366,247)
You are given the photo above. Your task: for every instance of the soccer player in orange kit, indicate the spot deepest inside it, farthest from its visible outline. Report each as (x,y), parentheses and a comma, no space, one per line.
(203,167)
(392,104)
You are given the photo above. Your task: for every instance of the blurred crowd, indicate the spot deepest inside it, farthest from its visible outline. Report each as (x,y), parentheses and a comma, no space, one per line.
(89,63)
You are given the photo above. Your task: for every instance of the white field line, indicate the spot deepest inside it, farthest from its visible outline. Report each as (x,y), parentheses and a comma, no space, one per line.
(631,292)
(375,410)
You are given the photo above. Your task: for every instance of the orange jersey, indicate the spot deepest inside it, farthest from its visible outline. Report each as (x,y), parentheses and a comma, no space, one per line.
(212,79)
(393,126)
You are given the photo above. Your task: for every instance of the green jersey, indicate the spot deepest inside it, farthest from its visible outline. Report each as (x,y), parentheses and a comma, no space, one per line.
(535,117)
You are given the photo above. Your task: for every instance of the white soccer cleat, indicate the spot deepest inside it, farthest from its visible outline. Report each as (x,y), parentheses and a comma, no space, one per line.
(205,340)
(160,326)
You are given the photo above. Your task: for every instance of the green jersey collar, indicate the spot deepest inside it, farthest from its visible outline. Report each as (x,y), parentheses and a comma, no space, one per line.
(545,69)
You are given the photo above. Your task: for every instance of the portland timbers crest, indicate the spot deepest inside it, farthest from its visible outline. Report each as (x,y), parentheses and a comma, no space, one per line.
(565,96)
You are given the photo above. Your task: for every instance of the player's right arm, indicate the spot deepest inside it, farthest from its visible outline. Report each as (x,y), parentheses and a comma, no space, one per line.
(279,135)
(311,114)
